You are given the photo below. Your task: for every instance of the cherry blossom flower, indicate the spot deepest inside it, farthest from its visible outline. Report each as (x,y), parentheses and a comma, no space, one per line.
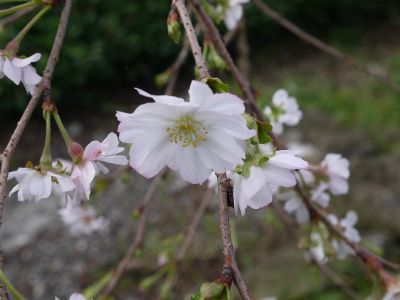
(316,250)
(295,206)
(34,185)
(234,13)
(347,225)
(82,220)
(20,70)
(284,111)
(195,138)
(320,196)
(256,190)
(75,296)
(337,169)
(95,154)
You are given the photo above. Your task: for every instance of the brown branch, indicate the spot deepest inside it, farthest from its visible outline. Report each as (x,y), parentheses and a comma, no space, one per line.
(216,38)
(308,38)
(33,102)
(144,211)
(194,224)
(192,37)
(224,213)
(366,256)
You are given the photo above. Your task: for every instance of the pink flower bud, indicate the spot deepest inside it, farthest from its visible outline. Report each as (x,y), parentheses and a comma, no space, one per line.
(75,150)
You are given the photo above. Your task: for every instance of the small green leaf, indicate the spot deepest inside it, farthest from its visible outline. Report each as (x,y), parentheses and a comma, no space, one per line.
(211,290)
(217,85)
(263,128)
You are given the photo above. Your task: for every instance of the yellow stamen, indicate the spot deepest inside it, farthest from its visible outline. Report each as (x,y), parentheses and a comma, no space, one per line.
(187,132)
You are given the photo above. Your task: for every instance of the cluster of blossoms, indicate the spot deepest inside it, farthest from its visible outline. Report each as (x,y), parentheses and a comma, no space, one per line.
(322,245)
(205,135)
(328,178)
(82,220)
(71,181)
(20,70)
(284,110)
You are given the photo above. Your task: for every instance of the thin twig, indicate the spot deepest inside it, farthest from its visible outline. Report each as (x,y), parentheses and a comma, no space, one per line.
(11,19)
(192,37)
(230,261)
(214,35)
(175,68)
(243,83)
(144,210)
(194,224)
(312,40)
(33,102)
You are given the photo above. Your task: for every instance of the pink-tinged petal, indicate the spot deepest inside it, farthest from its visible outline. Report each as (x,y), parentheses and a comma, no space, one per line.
(115,159)
(12,72)
(224,103)
(23,62)
(164,99)
(288,161)
(92,150)
(278,176)
(198,92)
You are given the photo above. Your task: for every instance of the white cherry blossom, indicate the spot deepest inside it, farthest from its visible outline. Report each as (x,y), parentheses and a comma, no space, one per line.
(257,189)
(234,13)
(75,296)
(347,225)
(195,138)
(95,154)
(82,220)
(320,196)
(283,111)
(316,250)
(295,207)
(336,168)
(20,70)
(34,185)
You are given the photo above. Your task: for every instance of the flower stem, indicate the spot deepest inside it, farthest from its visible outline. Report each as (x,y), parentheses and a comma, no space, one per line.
(28,26)
(11,10)
(45,160)
(10,287)
(63,131)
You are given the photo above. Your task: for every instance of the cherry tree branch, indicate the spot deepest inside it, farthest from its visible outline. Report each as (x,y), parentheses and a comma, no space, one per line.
(365,255)
(312,40)
(230,261)
(12,18)
(144,212)
(32,104)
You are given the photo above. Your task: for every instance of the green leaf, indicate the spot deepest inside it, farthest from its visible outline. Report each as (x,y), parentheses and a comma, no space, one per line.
(263,128)
(211,290)
(217,85)
(93,290)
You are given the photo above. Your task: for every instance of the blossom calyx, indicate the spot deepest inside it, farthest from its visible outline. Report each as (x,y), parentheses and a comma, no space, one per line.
(75,150)
(174,26)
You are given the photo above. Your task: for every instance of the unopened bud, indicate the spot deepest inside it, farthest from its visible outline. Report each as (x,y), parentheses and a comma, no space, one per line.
(75,151)
(162,78)
(174,26)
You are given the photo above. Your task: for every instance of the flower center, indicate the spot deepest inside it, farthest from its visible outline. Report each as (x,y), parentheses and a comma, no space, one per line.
(187,132)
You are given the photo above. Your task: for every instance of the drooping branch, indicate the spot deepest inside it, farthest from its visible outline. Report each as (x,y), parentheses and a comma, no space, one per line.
(365,255)
(136,242)
(32,104)
(312,40)
(230,261)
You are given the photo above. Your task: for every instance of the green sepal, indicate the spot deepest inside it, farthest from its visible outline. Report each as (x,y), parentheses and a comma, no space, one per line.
(263,129)
(217,85)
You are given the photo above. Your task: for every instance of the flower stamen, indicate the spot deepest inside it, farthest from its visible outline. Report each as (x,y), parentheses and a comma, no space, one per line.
(187,132)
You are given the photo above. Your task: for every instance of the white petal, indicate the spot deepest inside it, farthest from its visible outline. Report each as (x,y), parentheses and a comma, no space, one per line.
(164,99)
(12,72)
(338,185)
(278,176)
(23,62)
(253,184)
(191,167)
(262,198)
(198,92)
(288,161)
(29,76)
(225,103)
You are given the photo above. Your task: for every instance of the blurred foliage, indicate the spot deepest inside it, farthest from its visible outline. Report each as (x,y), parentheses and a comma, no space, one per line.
(111,45)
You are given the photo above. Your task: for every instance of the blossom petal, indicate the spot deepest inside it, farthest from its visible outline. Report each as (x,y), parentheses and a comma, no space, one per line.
(198,92)
(23,62)
(164,99)
(12,72)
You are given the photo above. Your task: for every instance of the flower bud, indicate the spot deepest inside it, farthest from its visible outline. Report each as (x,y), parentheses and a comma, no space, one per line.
(75,151)
(174,26)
